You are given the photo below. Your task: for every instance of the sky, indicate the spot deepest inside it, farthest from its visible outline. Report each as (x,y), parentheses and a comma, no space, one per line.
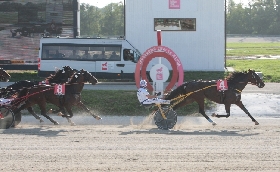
(244,2)
(100,3)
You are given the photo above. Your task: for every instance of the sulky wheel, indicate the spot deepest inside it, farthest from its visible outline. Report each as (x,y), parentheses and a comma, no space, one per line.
(169,122)
(7,118)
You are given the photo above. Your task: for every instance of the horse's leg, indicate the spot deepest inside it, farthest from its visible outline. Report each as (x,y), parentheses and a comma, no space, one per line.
(61,111)
(240,104)
(30,110)
(80,104)
(69,110)
(17,119)
(227,107)
(201,110)
(44,113)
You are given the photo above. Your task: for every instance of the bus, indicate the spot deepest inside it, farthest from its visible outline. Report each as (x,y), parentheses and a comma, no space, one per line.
(104,58)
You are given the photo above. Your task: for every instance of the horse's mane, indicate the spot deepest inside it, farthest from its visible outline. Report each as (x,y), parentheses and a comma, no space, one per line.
(232,77)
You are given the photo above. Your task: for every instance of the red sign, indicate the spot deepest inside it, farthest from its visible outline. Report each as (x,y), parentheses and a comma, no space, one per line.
(222,85)
(159,74)
(174,4)
(159,51)
(59,89)
(104,66)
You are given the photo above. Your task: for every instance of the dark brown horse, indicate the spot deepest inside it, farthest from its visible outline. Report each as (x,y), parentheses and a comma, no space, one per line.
(41,95)
(60,76)
(197,91)
(4,76)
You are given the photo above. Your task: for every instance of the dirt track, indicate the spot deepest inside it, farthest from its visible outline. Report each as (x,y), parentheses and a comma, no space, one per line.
(235,144)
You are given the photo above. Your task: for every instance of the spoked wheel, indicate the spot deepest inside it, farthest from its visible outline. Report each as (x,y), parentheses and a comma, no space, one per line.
(169,122)
(7,118)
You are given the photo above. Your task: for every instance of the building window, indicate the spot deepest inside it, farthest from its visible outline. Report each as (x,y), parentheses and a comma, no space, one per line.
(175,24)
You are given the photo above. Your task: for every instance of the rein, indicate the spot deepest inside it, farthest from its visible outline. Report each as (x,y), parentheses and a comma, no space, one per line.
(182,97)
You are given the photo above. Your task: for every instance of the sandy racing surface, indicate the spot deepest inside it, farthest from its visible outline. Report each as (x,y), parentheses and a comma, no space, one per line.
(135,144)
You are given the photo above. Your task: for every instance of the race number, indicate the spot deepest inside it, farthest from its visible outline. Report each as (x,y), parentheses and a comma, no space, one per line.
(59,89)
(222,85)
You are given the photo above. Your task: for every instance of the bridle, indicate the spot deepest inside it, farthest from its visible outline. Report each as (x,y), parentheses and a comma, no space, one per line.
(256,80)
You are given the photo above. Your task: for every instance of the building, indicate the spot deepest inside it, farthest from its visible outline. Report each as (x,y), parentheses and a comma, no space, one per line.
(193,29)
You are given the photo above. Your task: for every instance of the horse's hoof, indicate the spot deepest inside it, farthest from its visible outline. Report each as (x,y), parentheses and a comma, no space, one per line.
(256,123)
(97,117)
(59,114)
(73,124)
(41,121)
(214,123)
(213,115)
(56,123)
(50,111)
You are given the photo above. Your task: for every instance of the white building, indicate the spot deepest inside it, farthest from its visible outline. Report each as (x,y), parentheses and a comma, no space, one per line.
(200,44)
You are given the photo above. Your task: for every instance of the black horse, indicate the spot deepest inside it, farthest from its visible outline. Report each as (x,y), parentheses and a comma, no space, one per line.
(41,95)
(60,76)
(4,76)
(197,91)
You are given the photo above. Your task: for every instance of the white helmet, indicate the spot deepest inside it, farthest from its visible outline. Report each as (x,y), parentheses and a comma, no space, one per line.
(143,83)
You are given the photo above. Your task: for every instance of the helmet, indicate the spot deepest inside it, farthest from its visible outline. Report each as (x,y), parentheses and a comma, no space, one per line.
(143,83)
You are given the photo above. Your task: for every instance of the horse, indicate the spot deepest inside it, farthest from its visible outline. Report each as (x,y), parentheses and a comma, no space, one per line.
(4,76)
(41,95)
(60,76)
(197,91)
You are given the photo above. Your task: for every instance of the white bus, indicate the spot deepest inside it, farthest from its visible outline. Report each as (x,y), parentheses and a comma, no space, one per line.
(104,58)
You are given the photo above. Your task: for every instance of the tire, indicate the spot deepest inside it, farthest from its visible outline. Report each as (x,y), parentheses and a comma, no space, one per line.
(169,122)
(7,118)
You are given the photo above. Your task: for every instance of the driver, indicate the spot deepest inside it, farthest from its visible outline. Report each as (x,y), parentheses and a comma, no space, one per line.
(4,101)
(144,96)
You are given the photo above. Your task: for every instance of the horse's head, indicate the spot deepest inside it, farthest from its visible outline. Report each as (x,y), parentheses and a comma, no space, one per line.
(68,71)
(77,77)
(88,77)
(4,76)
(83,76)
(255,79)
(62,75)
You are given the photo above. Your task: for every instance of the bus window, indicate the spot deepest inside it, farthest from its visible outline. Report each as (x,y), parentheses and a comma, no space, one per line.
(129,55)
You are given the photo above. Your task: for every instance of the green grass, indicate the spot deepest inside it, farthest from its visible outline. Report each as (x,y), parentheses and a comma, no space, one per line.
(269,68)
(24,75)
(252,49)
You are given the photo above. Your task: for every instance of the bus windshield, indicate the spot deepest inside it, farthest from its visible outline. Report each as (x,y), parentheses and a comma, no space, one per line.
(91,52)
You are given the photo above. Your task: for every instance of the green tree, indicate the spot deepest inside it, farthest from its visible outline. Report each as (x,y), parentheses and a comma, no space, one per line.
(104,22)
